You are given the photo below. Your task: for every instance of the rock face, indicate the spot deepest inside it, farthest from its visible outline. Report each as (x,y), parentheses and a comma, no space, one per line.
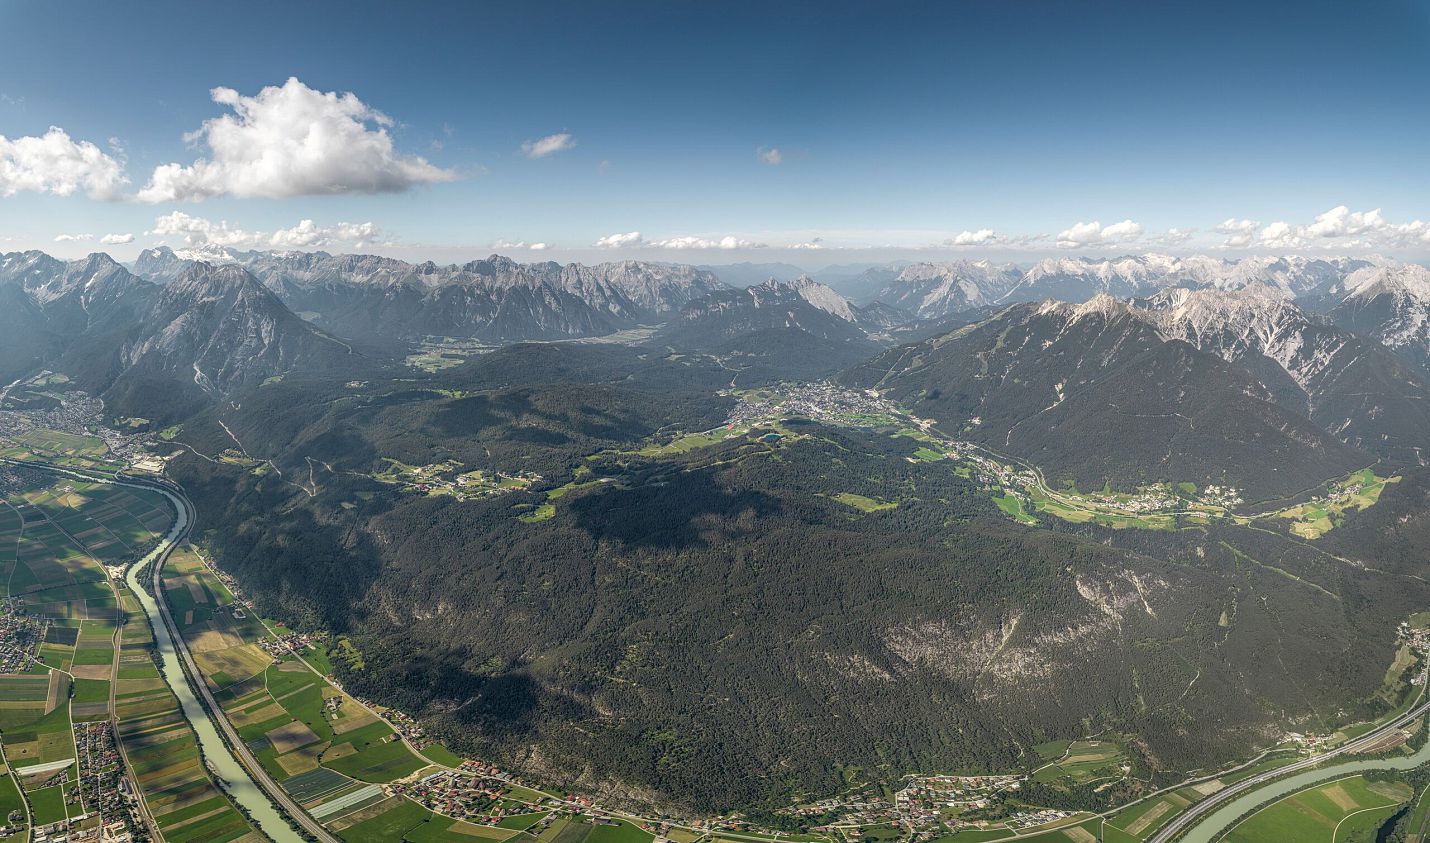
(219,328)
(367,297)
(802,305)
(1349,385)
(1049,381)
(208,333)
(1390,304)
(936,290)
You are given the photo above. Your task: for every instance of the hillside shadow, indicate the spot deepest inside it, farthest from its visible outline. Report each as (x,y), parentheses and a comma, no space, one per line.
(672,512)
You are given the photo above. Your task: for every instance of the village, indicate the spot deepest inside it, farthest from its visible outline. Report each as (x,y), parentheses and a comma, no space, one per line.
(21,635)
(821,401)
(103,786)
(928,806)
(75,413)
(447,478)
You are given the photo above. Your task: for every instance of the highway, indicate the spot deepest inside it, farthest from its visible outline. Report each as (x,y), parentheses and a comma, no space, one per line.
(267,804)
(240,749)
(1197,810)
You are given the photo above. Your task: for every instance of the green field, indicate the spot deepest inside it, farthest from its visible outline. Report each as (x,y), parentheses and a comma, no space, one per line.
(1314,519)
(1083,762)
(862,503)
(1330,812)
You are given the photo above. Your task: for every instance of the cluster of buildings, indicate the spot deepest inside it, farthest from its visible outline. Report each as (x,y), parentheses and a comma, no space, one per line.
(1029,819)
(851,811)
(822,401)
(1152,500)
(103,786)
(408,727)
(1418,639)
(284,645)
(69,831)
(447,478)
(78,413)
(1225,497)
(21,635)
(925,799)
(460,794)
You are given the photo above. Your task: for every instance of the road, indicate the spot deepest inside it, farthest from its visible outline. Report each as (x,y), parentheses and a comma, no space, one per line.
(286,808)
(1189,817)
(236,744)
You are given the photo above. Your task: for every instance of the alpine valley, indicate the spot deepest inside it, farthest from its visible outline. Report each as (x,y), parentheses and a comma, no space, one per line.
(766,545)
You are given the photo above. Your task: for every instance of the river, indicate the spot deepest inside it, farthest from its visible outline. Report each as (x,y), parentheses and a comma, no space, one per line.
(1220,821)
(239,783)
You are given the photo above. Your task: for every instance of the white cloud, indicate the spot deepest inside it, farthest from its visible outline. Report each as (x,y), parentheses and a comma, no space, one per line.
(292,141)
(634,240)
(727,242)
(116,239)
(815,243)
(1174,236)
(1093,233)
(981,237)
(1414,233)
(197,231)
(549,145)
(1341,222)
(504,245)
(1239,232)
(53,163)
(620,241)
(1344,229)
(73,238)
(770,155)
(1281,235)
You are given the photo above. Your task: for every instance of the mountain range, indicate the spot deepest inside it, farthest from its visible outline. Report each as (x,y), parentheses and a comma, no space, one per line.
(682,620)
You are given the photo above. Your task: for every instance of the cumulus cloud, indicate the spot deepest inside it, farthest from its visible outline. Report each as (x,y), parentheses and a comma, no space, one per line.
(620,241)
(73,238)
(549,145)
(55,163)
(292,140)
(1239,232)
(981,237)
(1338,228)
(1340,221)
(1281,235)
(504,245)
(116,239)
(770,155)
(634,240)
(1086,234)
(815,243)
(197,231)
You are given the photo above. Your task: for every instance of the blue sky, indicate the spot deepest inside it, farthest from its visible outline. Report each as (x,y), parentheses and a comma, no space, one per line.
(734,130)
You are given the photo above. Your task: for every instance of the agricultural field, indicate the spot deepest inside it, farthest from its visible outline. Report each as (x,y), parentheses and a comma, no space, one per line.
(1077,829)
(70,449)
(1330,812)
(322,746)
(434,354)
(1143,819)
(1315,518)
(1084,762)
(160,746)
